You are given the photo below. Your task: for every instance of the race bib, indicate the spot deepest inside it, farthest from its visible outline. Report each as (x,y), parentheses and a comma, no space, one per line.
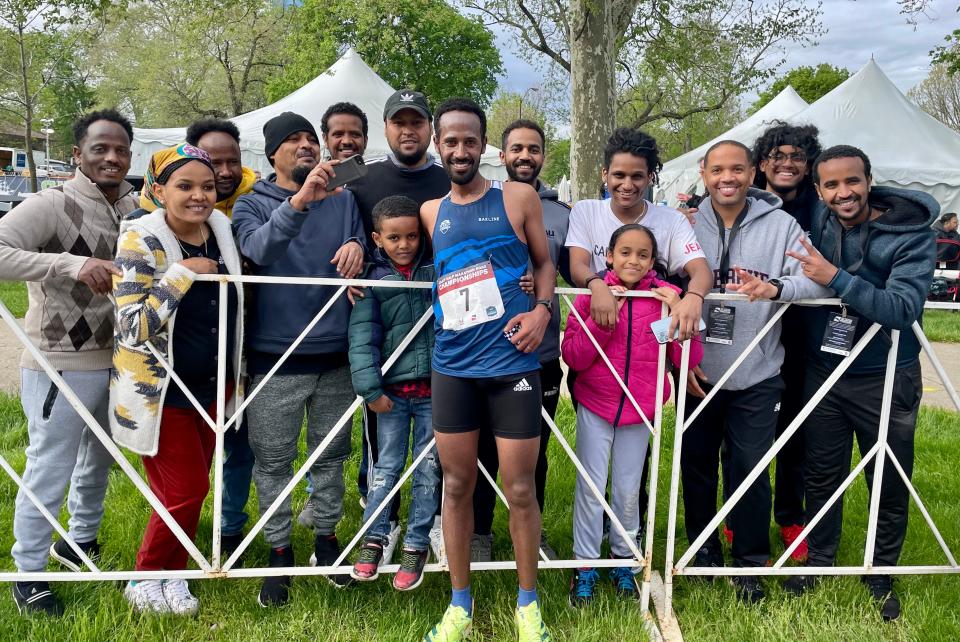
(469,297)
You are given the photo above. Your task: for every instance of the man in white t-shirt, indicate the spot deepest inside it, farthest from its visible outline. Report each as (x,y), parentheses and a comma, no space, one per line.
(631,163)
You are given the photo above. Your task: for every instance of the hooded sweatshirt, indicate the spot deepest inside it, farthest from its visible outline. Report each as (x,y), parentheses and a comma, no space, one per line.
(632,349)
(889,286)
(280,241)
(759,247)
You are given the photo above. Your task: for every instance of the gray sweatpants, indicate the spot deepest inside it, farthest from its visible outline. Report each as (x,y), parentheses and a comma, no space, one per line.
(596,441)
(275,420)
(62,450)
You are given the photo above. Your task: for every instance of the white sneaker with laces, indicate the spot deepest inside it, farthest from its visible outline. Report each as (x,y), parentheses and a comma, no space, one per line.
(179,597)
(391,546)
(436,542)
(146,596)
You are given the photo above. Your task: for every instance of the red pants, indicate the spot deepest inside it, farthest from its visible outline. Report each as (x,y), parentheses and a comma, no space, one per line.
(179,475)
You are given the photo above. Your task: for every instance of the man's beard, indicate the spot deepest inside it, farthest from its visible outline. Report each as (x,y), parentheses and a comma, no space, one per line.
(300,173)
(512,173)
(464,178)
(409,160)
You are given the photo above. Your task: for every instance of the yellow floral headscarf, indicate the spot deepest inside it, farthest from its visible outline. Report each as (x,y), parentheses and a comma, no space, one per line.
(162,164)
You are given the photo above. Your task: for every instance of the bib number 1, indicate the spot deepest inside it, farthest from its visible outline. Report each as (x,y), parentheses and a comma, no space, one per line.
(470,296)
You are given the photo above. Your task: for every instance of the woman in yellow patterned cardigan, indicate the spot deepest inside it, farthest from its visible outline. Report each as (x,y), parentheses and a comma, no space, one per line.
(153,412)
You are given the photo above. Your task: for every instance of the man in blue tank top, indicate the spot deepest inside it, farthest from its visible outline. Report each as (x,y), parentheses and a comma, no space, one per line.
(485,367)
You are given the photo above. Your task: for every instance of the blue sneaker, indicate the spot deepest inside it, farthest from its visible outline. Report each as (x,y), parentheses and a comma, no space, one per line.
(582,585)
(625,582)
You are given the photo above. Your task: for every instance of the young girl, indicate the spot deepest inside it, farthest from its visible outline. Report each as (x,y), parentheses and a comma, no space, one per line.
(159,254)
(607,422)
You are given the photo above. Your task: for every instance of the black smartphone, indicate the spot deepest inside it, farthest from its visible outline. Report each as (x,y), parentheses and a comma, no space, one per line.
(348,170)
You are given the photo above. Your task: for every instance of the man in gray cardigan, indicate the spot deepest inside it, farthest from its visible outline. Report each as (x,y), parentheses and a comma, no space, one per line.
(62,242)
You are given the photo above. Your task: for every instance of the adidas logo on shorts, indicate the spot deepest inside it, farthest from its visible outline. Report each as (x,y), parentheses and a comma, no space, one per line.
(522,386)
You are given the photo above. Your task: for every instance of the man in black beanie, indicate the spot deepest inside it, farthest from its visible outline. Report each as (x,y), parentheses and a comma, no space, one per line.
(292,226)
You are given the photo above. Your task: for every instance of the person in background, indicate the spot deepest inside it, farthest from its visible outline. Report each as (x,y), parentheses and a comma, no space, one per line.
(344,129)
(221,140)
(159,255)
(61,241)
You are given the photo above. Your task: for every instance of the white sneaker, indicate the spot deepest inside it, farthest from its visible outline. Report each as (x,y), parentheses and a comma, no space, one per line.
(391,546)
(436,542)
(179,598)
(146,596)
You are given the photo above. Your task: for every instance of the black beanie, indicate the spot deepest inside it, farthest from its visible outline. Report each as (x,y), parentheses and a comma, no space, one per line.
(276,130)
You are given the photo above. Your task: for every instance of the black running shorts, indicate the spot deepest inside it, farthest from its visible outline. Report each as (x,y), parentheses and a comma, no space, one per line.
(509,405)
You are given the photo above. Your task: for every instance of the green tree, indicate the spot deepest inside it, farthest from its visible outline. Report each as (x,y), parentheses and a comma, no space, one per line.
(422,44)
(506,108)
(557,164)
(36,39)
(810,82)
(227,52)
(939,95)
(607,46)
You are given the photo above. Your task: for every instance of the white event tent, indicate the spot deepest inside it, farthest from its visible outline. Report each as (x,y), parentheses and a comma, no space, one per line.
(349,79)
(907,147)
(679,174)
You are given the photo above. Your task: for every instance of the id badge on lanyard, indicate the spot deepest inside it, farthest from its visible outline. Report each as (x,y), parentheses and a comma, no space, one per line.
(839,334)
(470,296)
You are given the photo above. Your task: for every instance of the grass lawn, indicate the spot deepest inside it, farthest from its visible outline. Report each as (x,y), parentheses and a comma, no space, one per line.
(942,325)
(14,296)
(839,610)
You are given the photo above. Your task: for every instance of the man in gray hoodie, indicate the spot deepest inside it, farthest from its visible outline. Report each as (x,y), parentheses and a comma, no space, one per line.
(745,236)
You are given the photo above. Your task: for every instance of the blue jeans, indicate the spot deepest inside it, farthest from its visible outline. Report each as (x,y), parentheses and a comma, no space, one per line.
(393,437)
(237,473)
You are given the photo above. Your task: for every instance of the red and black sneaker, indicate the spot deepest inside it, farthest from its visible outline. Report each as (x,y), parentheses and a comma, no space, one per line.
(367,566)
(410,574)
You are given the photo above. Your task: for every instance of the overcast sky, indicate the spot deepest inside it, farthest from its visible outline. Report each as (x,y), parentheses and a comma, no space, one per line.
(856,29)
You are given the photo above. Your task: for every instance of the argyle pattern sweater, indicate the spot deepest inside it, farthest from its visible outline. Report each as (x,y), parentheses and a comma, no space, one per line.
(45,241)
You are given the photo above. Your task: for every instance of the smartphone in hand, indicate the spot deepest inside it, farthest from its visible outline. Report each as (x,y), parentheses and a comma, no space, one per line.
(349,169)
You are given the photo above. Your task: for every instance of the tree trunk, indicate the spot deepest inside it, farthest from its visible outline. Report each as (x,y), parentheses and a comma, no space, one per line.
(28,111)
(592,75)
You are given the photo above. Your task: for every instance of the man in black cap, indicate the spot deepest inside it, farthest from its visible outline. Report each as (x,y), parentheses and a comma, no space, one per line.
(408,170)
(292,226)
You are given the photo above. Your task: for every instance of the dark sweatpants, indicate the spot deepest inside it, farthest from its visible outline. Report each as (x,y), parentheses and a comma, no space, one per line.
(788,489)
(852,408)
(746,420)
(484,497)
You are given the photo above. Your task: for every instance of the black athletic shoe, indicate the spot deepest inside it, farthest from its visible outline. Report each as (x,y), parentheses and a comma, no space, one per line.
(797,585)
(62,552)
(748,588)
(36,597)
(326,550)
(707,558)
(228,544)
(881,588)
(275,590)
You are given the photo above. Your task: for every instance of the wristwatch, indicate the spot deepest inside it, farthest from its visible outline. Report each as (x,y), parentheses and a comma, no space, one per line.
(547,303)
(777,283)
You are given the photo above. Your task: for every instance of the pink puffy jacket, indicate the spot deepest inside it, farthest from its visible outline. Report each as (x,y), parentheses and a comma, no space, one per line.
(631,348)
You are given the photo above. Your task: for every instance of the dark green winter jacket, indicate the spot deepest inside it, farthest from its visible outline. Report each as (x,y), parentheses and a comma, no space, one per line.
(380,321)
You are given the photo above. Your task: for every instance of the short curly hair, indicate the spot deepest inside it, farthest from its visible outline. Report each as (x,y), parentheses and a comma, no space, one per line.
(627,140)
(200,128)
(805,137)
(83,123)
(343,108)
(841,151)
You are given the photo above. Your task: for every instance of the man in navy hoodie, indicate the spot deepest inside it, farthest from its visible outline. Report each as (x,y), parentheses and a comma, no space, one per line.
(292,226)
(875,248)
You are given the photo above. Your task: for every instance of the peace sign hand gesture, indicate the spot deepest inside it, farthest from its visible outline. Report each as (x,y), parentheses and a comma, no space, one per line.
(815,267)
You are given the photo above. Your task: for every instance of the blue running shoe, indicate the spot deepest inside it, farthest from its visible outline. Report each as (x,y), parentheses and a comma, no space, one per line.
(582,585)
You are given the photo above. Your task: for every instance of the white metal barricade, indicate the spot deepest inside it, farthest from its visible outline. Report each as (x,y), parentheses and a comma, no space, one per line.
(214,567)
(879,453)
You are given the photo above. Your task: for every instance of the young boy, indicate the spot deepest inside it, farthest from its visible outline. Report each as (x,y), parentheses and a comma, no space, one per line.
(378,323)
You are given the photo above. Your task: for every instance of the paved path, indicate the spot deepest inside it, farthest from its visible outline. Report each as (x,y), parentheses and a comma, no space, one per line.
(934,393)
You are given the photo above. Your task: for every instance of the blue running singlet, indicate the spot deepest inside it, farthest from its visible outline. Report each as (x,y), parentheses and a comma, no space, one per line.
(470,235)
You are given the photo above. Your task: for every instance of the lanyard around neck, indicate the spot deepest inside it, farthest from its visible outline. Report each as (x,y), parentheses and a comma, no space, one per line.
(726,241)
